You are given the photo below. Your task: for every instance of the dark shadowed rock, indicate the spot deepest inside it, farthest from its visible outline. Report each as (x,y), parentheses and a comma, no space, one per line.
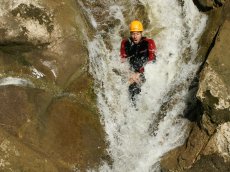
(210,163)
(206,5)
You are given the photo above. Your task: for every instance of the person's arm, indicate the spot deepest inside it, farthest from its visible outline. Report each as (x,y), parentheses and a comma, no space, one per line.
(123,54)
(141,70)
(152,50)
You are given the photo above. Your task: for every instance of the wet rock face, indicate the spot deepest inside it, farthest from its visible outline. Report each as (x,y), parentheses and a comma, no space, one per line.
(44,38)
(48,116)
(208,143)
(16,156)
(183,157)
(206,5)
(220,142)
(32,12)
(213,163)
(214,79)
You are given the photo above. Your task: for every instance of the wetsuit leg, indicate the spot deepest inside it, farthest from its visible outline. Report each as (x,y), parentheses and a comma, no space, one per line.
(134,89)
(142,76)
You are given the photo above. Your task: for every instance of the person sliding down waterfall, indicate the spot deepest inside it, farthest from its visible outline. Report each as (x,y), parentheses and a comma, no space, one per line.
(139,51)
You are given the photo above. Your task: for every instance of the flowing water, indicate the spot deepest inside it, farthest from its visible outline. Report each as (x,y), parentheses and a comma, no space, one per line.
(138,137)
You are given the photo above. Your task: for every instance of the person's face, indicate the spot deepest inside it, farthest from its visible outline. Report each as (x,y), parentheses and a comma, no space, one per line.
(136,36)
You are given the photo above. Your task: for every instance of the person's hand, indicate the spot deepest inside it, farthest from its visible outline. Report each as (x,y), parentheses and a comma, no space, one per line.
(135,77)
(123,60)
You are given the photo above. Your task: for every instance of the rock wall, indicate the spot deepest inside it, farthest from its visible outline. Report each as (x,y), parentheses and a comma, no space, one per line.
(48,115)
(207,147)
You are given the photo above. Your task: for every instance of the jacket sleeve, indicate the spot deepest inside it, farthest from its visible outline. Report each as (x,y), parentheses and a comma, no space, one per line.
(152,50)
(122,49)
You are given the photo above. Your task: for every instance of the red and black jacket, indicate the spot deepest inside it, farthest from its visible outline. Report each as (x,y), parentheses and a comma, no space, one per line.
(138,54)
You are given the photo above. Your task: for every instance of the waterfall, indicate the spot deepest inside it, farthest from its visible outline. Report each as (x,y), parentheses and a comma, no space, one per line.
(138,137)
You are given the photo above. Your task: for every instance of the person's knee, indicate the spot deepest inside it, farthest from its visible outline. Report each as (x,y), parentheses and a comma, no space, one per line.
(134,89)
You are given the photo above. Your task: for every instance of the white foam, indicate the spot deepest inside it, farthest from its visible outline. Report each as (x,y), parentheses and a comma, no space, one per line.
(36,31)
(89,14)
(15,81)
(37,73)
(52,66)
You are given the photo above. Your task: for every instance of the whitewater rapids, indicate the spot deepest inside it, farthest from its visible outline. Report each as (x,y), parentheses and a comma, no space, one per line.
(138,137)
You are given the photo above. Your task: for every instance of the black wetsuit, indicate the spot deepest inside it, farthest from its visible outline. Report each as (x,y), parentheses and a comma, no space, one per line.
(138,55)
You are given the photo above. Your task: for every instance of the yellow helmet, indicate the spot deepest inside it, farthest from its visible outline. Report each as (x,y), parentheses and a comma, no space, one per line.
(136,26)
